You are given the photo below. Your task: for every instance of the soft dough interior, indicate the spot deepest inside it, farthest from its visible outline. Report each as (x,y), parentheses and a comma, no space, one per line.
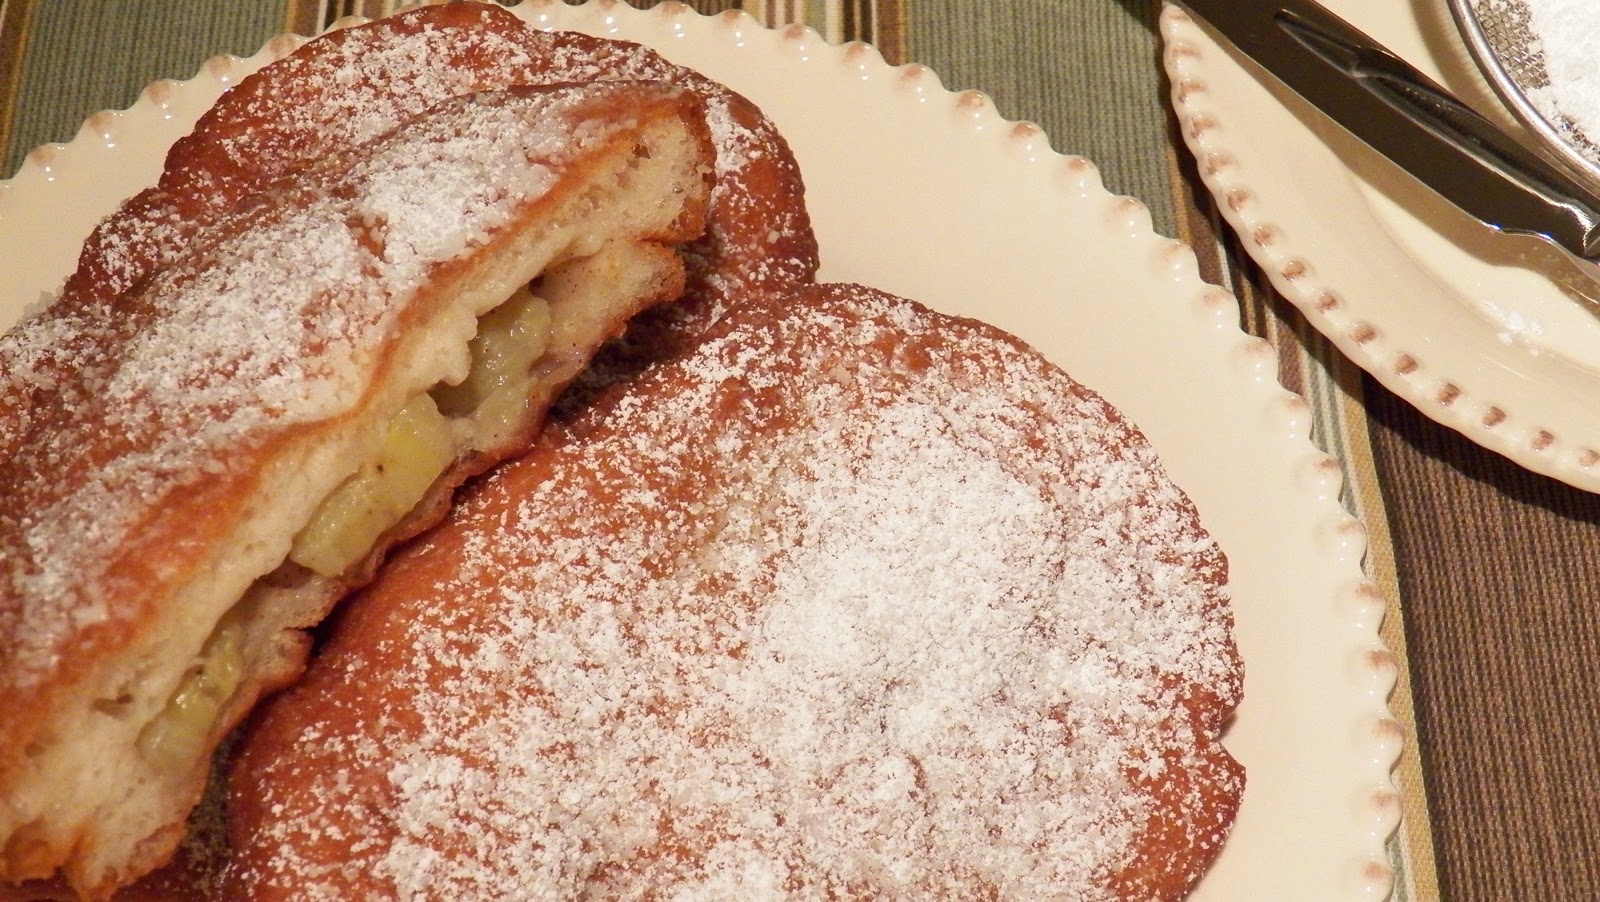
(464,388)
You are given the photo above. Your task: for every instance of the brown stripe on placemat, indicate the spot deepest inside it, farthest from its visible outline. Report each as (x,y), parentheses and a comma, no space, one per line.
(339,9)
(1219,254)
(881,23)
(704,7)
(889,30)
(334,10)
(1331,384)
(1508,713)
(304,16)
(315,16)
(855,20)
(764,11)
(376,9)
(1198,224)
(16,18)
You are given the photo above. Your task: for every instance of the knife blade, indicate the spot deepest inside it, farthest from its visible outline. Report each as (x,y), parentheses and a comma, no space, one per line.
(1402,114)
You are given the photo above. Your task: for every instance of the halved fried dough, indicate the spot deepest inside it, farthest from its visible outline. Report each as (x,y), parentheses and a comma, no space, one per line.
(199,467)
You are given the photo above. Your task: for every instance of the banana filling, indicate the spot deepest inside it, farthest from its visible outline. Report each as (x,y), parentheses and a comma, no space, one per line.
(510,340)
(422,440)
(419,444)
(179,733)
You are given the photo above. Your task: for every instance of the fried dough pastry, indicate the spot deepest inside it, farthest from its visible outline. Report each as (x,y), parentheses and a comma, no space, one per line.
(855,601)
(198,466)
(350,85)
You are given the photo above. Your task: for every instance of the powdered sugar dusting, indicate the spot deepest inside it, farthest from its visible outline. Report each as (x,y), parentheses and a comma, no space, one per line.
(829,609)
(1564,33)
(349,110)
(279,320)
(341,96)
(345,88)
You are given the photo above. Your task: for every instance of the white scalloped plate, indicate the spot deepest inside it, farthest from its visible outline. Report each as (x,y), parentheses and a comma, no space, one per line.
(1496,337)
(933,195)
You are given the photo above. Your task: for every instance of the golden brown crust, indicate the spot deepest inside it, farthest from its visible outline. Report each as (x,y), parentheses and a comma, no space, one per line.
(854,599)
(194,400)
(361,81)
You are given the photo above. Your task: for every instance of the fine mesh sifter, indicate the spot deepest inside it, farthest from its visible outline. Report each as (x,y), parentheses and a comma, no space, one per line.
(1507,48)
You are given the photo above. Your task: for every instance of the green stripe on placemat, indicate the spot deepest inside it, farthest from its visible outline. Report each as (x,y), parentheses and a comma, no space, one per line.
(63,35)
(1087,73)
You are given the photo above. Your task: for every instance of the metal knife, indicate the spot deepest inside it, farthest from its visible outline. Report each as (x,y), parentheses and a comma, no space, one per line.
(1407,117)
